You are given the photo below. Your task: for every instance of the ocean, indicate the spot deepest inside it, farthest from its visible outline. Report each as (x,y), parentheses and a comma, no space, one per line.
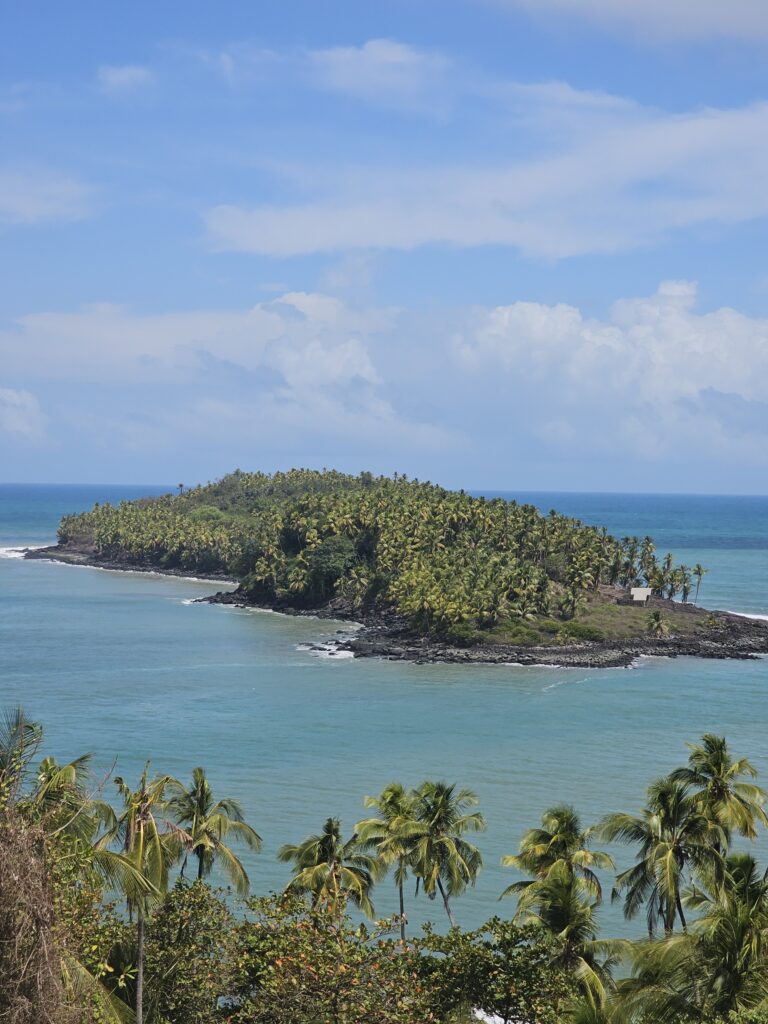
(124,665)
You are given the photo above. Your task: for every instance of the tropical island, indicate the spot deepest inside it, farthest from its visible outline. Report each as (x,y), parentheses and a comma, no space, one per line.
(432,574)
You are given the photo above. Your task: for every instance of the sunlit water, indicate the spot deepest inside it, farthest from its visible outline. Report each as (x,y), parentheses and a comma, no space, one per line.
(126,666)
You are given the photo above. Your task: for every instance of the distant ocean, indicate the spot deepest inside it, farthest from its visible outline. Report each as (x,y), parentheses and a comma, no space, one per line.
(124,665)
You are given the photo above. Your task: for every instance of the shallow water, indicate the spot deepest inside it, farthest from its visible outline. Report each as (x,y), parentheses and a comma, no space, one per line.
(125,665)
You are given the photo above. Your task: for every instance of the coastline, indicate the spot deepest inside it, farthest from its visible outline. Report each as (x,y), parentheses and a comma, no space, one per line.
(737,637)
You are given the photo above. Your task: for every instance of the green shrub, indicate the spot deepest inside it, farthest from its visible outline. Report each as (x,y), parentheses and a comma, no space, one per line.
(579,631)
(463,634)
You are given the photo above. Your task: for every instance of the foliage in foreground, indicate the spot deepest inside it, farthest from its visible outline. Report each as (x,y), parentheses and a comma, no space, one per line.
(181,956)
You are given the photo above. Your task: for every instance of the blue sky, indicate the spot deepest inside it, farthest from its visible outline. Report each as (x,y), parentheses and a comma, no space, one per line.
(492,243)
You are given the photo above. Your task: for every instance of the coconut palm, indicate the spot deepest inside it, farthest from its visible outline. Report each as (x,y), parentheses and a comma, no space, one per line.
(209,823)
(657,625)
(560,842)
(717,780)
(443,859)
(392,835)
(563,905)
(674,837)
(151,845)
(20,739)
(332,870)
(699,572)
(720,966)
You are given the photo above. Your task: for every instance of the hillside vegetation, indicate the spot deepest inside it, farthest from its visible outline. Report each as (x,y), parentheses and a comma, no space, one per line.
(450,563)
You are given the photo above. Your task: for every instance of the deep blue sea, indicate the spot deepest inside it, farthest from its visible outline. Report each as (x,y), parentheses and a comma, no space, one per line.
(123,665)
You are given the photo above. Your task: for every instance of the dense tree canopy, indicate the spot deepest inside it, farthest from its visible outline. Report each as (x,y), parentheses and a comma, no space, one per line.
(443,559)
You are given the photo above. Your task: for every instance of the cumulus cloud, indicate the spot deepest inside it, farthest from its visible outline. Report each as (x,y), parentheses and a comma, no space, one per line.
(21,415)
(299,367)
(656,378)
(103,341)
(654,382)
(39,197)
(627,179)
(660,19)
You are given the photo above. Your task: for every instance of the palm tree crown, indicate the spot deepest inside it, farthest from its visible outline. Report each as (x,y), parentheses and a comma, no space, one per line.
(331,869)
(393,835)
(561,842)
(443,859)
(209,823)
(717,780)
(673,835)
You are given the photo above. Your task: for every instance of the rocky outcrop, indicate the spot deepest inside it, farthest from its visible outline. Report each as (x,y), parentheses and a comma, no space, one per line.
(384,635)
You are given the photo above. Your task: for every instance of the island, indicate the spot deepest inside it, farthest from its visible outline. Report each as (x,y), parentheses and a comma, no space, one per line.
(431,574)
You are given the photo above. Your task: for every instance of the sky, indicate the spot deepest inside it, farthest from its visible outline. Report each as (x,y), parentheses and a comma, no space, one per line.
(507,244)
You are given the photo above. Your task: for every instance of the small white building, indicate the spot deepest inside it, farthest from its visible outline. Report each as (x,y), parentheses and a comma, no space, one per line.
(640,595)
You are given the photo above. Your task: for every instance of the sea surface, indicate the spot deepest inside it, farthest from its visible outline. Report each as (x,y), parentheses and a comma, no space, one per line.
(126,666)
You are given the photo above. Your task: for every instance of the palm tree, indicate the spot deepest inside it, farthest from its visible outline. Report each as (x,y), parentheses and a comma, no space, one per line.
(151,846)
(721,965)
(699,572)
(443,860)
(559,843)
(564,906)
(674,837)
(717,781)
(209,823)
(657,625)
(20,740)
(332,870)
(392,835)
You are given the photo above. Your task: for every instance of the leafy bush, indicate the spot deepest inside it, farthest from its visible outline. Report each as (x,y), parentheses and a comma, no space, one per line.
(328,563)
(464,635)
(579,631)
(301,965)
(501,969)
(519,633)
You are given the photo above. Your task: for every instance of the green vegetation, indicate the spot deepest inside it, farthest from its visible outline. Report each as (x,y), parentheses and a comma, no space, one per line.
(455,566)
(100,923)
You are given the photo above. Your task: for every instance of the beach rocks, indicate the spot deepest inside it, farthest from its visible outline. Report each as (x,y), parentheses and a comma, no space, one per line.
(386,635)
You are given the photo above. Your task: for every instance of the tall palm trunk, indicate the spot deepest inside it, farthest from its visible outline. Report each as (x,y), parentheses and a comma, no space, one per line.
(200,865)
(402,912)
(680,913)
(140,971)
(446,904)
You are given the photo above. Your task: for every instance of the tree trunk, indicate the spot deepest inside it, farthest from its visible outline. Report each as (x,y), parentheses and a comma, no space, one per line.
(680,912)
(140,971)
(200,866)
(446,904)
(402,913)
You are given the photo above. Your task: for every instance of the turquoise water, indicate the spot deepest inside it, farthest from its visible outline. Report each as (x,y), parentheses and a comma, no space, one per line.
(123,665)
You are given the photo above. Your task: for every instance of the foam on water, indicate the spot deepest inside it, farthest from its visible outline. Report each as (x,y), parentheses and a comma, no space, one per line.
(118,664)
(19,552)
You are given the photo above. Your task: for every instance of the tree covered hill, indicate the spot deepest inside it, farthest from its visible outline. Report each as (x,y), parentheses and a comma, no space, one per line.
(450,563)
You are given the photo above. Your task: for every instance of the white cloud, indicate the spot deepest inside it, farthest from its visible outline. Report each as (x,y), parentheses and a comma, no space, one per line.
(39,197)
(381,71)
(105,341)
(625,181)
(656,377)
(297,367)
(124,78)
(21,415)
(655,380)
(660,19)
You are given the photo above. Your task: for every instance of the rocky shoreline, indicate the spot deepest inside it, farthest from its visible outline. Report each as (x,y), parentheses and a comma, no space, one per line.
(388,636)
